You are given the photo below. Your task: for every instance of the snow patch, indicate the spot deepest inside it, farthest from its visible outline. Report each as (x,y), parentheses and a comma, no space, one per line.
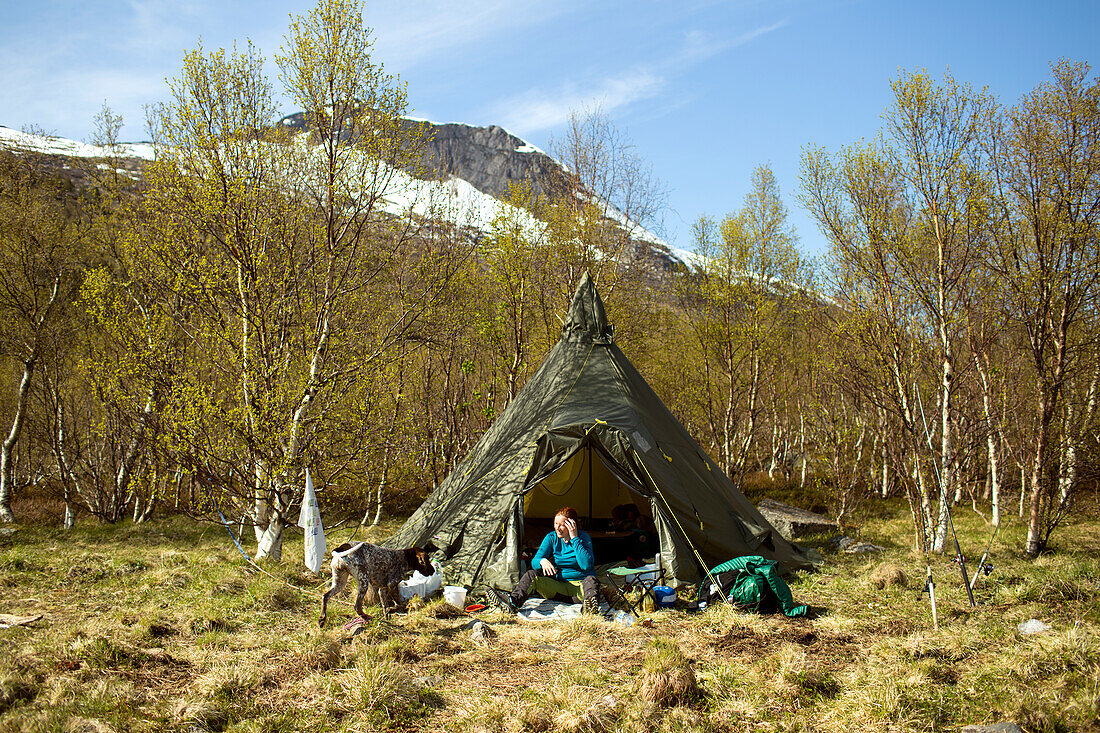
(454,200)
(689,258)
(51,145)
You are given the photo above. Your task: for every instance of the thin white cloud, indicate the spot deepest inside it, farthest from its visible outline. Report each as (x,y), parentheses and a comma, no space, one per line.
(538,109)
(700,45)
(408,33)
(152,20)
(756,33)
(541,109)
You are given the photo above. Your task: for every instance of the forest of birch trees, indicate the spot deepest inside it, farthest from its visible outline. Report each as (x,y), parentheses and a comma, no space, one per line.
(192,341)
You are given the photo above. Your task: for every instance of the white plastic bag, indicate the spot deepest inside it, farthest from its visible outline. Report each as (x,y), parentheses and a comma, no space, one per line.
(421,585)
(1032,626)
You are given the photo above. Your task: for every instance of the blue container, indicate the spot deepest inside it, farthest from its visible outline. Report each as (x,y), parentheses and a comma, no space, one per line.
(664,596)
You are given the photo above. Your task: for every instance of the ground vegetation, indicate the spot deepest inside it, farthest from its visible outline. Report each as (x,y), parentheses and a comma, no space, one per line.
(164,625)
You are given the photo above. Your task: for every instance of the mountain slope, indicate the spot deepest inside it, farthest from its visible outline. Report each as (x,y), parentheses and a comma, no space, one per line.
(475,167)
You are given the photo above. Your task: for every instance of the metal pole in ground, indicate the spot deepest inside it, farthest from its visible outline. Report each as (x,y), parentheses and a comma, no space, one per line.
(930,587)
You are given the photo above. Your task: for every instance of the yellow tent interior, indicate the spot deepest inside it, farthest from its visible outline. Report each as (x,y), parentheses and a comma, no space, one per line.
(589,483)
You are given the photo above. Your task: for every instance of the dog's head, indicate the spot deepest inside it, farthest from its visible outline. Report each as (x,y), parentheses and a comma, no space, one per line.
(417,559)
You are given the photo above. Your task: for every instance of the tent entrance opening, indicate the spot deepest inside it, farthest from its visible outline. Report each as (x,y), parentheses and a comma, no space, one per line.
(612,510)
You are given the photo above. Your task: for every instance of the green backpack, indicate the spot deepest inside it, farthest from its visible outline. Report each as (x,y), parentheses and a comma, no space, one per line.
(751,582)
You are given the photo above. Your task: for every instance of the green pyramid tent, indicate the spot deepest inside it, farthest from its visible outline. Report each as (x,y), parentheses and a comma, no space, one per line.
(587,431)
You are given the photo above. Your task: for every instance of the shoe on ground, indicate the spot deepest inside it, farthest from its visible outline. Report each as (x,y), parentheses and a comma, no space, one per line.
(501,601)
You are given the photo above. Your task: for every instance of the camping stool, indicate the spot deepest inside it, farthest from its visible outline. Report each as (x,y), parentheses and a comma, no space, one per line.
(645,577)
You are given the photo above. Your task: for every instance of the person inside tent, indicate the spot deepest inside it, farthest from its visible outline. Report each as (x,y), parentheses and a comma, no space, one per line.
(564,566)
(642,542)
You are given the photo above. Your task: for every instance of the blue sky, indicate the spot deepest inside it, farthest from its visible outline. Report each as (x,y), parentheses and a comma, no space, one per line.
(706,90)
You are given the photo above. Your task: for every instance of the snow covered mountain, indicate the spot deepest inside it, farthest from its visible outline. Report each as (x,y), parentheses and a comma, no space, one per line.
(475,165)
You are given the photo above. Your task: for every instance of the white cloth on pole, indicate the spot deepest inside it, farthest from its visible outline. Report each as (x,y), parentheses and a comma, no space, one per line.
(309,519)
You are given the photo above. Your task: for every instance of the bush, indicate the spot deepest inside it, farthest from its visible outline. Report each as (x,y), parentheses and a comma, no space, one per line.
(667,677)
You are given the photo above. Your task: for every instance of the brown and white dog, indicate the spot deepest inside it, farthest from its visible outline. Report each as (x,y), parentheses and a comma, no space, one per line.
(376,570)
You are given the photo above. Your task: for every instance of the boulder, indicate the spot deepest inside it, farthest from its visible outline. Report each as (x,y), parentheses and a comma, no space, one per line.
(793,522)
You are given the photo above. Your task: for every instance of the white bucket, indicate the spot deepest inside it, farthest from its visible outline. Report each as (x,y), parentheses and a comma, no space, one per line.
(455,595)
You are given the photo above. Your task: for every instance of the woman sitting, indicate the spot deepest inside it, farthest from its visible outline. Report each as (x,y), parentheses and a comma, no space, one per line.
(564,566)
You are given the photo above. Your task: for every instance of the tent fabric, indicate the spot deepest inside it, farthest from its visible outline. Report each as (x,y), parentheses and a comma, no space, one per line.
(587,396)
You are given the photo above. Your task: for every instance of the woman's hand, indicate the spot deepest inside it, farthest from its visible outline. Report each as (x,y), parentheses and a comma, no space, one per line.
(548,567)
(571,528)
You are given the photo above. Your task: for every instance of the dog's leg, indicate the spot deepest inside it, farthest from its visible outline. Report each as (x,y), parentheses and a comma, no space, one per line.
(339,580)
(384,600)
(364,586)
(395,596)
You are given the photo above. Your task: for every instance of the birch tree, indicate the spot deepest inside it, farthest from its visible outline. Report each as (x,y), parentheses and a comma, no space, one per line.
(935,132)
(276,256)
(39,274)
(745,299)
(906,217)
(1046,158)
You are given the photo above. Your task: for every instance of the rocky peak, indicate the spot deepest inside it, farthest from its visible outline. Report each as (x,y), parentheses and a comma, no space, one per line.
(488,158)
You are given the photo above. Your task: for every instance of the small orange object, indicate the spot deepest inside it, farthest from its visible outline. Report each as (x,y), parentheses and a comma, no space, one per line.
(475,607)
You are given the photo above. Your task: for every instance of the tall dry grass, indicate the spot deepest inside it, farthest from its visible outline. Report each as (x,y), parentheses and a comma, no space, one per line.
(165,627)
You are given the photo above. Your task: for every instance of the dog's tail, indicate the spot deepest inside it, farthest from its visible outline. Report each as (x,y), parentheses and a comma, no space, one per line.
(346,548)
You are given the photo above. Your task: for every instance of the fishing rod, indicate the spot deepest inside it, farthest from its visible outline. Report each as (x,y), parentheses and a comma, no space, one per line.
(983,566)
(959,558)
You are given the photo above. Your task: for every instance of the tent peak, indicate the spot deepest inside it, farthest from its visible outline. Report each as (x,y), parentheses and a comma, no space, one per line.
(587,319)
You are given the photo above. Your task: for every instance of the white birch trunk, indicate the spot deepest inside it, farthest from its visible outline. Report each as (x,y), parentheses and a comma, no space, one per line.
(1072,435)
(68,479)
(802,447)
(754,386)
(261,509)
(7,449)
(992,441)
(947,463)
(885,468)
(126,470)
(925,500)
(7,467)
(1023,489)
(270,543)
(382,481)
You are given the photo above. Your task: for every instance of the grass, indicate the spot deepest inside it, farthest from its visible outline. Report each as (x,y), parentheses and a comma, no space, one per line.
(164,626)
